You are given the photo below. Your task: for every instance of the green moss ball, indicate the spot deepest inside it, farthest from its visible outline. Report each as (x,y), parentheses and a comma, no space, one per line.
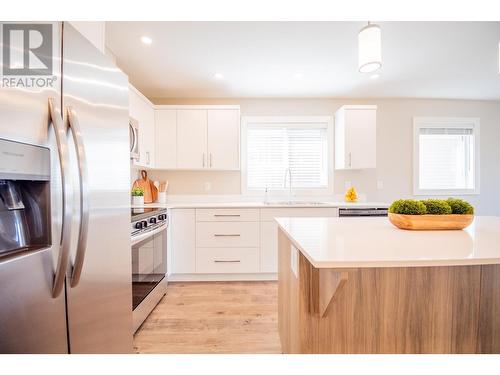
(437,207)
(408,207)
(460,207)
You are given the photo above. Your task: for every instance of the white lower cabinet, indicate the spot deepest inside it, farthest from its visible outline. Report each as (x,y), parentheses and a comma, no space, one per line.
(182,241)
(269,246)
(229,241)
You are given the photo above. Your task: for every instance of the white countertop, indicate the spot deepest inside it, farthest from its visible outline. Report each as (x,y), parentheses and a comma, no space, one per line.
(251,204)
(375,242)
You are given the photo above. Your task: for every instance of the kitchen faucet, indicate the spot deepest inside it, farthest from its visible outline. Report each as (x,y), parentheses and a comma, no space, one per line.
(288,172)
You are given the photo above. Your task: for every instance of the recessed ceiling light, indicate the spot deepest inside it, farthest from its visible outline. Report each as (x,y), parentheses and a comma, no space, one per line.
(146,40)
(374,76)
(218,76)
(298,75)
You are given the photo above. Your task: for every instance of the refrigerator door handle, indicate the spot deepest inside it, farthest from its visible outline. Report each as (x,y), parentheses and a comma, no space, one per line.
(62,149)
(74,126)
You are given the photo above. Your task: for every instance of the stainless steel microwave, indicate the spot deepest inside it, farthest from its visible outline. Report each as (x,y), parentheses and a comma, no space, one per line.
(134,138)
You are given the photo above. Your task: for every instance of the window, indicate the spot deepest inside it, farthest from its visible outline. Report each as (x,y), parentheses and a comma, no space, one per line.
(272,145)
(445,157)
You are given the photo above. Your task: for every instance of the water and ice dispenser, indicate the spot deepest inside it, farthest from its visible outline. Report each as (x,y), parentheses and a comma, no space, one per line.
(24,198)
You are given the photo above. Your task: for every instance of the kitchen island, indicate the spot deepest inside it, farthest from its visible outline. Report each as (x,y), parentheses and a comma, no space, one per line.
(360,285)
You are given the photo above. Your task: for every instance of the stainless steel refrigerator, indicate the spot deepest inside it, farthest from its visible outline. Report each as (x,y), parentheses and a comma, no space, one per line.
(65,261)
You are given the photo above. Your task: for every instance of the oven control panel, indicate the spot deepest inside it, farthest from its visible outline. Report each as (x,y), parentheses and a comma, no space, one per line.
(148,221)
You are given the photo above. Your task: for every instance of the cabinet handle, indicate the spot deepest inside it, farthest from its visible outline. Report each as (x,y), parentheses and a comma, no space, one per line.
(148,158)
(350,160)
(227,215)
(227,235)
(203,160)
(227,261)
(210,158)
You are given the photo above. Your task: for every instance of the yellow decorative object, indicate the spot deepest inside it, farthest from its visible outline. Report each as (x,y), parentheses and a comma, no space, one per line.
(351,195)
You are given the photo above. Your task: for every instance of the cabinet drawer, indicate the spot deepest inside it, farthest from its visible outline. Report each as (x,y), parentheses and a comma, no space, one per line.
(227,260)
(227,214)
(268,214)
(228,234)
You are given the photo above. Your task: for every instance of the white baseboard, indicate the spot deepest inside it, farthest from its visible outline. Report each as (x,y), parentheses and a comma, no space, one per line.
(224,277)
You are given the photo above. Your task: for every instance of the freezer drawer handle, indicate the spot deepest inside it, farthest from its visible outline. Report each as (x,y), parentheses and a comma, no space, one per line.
(62,149)
(227,261)
(227,235)
(77,267)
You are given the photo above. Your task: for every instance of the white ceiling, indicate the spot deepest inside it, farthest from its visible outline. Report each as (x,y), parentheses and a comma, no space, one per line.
(263,59)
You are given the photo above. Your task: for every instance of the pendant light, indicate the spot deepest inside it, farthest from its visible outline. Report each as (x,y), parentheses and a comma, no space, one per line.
(369,48)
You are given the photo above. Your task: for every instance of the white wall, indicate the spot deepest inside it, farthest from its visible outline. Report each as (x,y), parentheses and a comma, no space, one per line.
(394,146)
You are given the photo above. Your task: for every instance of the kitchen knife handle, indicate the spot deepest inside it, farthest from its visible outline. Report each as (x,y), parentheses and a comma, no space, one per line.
(77,267)
(65,241)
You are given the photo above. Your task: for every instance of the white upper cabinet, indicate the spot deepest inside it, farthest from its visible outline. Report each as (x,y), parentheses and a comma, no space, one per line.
(198,137)
(224,139)
(192,139)
(166,138)
(356,137)
(142,110)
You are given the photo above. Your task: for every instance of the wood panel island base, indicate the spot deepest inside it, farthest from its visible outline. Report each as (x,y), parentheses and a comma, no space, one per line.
(350,286)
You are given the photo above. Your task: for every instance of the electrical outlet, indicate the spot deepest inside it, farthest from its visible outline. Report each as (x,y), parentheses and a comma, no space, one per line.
(347,184)
(208,186)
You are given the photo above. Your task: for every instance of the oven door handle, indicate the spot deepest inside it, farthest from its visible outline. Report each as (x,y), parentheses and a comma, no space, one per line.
(144,236)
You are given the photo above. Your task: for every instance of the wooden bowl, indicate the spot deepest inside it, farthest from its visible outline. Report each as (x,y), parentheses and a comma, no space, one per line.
(431,222)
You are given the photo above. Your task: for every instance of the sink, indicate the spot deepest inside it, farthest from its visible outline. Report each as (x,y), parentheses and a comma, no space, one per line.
(296,203)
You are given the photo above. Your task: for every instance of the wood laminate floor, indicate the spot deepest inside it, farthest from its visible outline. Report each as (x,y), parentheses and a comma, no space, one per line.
(213,317)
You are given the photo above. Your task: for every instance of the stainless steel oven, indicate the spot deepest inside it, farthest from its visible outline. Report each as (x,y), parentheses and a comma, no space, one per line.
(149,261)
(133,127)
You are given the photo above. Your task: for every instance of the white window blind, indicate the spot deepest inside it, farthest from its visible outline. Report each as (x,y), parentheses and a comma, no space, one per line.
(446,156)
(273,148)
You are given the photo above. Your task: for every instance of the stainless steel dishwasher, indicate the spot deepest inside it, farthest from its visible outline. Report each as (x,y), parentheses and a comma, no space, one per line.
(362,211)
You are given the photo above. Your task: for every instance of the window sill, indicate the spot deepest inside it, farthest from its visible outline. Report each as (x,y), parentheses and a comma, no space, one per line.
(450,192)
